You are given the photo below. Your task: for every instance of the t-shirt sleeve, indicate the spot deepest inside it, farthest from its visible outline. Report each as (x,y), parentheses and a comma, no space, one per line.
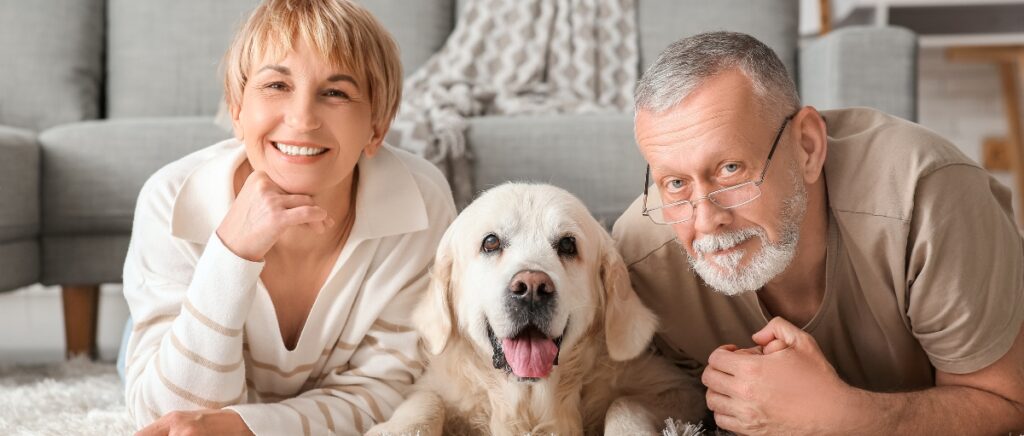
(965,269)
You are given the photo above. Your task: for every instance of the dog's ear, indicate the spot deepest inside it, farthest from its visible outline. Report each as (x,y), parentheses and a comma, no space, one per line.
(628,324)
(433,317)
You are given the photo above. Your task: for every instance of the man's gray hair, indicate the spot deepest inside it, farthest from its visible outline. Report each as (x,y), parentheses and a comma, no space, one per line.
(688,62)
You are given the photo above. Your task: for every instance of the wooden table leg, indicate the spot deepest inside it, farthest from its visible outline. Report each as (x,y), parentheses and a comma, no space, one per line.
(825,16)
(81,306)
(1008,72)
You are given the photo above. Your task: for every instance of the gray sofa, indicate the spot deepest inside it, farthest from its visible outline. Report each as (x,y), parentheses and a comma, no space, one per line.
(96,95)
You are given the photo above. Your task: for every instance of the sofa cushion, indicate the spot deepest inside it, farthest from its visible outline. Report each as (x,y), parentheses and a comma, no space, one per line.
(19,264)
(93,171)
(164,57)
(591,156)
(51,61)
(82,259)
(774,22)
(19,185)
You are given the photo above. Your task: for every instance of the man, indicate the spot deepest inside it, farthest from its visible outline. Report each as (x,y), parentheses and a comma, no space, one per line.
(857,273)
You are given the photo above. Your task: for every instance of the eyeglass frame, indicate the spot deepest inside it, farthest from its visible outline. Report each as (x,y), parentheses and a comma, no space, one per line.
(764,172)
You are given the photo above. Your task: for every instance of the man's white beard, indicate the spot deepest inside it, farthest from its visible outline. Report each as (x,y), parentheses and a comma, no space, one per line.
(728,277)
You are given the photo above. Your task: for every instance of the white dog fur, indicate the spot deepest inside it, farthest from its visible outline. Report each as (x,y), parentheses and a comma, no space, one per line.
(599,383)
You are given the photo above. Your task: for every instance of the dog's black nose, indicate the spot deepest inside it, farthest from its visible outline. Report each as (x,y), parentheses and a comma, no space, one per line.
(532,286)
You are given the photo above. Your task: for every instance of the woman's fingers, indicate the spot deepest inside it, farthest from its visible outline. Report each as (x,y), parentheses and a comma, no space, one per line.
(262,211)
(303,215)
(317,228)
(289,201)
(307,213)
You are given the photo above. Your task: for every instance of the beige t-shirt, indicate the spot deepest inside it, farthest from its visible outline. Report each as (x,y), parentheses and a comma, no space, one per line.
(924,267)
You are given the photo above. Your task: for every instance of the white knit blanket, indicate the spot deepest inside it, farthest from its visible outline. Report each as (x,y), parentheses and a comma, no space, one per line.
(517,57)
(85,398)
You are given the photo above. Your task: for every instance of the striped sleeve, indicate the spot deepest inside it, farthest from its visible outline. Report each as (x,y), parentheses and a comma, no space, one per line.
(185,351)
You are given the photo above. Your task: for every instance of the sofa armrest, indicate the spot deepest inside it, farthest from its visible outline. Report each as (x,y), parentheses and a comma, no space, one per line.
(862,66)
(19,184)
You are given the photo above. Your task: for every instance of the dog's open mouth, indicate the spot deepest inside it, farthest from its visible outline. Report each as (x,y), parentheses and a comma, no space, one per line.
(529,354)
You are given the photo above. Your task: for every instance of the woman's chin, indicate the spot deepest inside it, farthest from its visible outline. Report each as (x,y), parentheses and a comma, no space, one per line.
(299,185)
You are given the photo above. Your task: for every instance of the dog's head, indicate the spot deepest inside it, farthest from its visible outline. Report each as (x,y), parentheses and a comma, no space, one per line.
(524,273)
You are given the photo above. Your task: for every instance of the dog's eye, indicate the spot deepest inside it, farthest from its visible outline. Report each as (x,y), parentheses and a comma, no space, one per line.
(567,246)
(491,243)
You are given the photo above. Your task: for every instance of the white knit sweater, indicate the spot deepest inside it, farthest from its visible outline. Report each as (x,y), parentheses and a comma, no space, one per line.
(206,334)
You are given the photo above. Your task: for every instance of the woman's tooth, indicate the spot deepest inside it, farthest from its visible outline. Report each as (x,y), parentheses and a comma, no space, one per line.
(298,151)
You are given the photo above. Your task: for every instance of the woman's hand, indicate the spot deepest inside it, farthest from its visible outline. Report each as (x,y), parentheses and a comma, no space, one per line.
(197,422)
(262,212)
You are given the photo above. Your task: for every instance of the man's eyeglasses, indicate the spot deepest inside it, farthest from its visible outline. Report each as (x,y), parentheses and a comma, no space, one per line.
(726,198)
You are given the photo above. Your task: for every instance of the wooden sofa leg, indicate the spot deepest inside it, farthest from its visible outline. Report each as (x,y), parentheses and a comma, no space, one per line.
(81,308)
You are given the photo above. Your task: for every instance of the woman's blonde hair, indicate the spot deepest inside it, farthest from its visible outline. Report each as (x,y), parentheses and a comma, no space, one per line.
(344,33)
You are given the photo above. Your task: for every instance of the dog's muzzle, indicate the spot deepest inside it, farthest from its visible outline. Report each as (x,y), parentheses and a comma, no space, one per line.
(530,354)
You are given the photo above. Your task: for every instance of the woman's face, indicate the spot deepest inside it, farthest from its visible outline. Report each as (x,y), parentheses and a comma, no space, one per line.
(304,122)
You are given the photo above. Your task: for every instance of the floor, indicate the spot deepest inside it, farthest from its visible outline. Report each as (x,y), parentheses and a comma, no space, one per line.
(33,324)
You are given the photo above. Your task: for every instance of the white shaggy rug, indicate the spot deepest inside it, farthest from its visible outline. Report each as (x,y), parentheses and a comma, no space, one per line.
(86,398)
(77,397)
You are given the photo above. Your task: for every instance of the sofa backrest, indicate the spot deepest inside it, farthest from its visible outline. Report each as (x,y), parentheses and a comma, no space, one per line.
(51,62)
(773,22)
(164,57)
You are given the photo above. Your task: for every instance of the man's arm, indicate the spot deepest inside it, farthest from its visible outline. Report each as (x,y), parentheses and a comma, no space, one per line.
(793,389)
(988,401)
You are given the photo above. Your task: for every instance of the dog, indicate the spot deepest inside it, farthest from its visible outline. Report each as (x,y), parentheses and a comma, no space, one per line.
(532,326)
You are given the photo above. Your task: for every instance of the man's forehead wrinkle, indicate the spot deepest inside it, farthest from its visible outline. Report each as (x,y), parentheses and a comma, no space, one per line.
(710,131)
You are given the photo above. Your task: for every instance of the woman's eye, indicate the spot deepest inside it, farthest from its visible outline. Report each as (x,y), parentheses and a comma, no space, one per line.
(490,244)
(277,86)
(336,93)
(731,168)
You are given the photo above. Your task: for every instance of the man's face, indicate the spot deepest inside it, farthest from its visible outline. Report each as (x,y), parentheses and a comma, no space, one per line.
(715,138)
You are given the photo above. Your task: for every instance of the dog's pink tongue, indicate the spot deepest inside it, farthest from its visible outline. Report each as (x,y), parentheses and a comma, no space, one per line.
(530,354)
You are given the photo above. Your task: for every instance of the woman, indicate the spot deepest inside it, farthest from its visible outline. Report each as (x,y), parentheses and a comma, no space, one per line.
(270,275)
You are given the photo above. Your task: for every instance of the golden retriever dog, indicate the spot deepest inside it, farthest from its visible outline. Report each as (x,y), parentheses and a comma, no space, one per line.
(533,327)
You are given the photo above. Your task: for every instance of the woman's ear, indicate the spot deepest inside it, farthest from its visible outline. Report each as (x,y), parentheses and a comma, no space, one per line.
(433,316)
(376,140)
(236,125)
(812,137)
(628,324)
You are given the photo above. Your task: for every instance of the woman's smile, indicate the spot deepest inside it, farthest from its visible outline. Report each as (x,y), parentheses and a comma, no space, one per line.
(297,152)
